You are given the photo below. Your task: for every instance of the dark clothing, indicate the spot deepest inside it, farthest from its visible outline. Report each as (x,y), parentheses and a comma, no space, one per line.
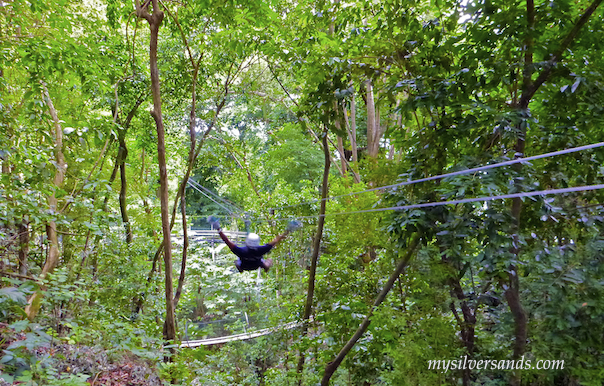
(251,257)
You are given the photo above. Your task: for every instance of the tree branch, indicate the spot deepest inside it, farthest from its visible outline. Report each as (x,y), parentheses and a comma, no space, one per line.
(316,245)
(557,55)
(333,366)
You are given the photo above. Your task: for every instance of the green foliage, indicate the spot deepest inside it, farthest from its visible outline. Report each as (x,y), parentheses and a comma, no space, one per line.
(292,158)
(12,300)
(448,81)
(51,378)
(19,357)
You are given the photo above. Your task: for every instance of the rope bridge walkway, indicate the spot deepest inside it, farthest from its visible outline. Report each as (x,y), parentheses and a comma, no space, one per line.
(244,336)
(200,235)
(210,236)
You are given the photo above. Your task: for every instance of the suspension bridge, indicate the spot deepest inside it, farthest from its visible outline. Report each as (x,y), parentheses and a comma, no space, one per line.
(236,337)
(205,235)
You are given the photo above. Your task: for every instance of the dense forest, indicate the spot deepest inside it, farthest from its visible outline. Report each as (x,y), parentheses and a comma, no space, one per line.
(442,161)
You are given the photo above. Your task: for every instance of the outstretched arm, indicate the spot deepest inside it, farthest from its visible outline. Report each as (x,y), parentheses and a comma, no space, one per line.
(278,239)
(226,240)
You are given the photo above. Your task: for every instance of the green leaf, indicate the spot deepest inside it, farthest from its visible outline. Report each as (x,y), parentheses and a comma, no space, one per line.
(14,294)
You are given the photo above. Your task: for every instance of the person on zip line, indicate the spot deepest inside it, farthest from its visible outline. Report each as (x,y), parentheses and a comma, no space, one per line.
(250,255)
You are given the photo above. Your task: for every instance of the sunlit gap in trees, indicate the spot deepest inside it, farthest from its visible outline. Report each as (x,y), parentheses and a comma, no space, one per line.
(464,15)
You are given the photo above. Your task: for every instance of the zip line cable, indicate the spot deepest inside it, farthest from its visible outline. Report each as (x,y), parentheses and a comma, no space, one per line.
(457,173)
(199,186)
(454,202)
(216,195)
(210,198)
(193,184)
(225,201)
(216,202)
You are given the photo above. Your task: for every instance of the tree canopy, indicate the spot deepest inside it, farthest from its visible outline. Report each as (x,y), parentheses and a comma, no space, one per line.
(395,132)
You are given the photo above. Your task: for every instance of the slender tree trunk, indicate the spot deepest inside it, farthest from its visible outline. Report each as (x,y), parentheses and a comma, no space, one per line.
(467,325)
(52,258)
(512,293)
(23,230)
(116,167)
(375,130)
(123,189)
(340,142)
(529,88)
(372,123)
(183,202)
(183,183)
(375,140)
(342,159)
(120,159)
(333,365)
(120,165)
(142,175)
(170,333)
(5,164)
(155,19)
(351,127)
(316,246)
(185,247)
(391,152)
(353,130)
(399,123)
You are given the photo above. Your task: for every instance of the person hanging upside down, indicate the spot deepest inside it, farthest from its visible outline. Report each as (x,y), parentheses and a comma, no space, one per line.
(250,256)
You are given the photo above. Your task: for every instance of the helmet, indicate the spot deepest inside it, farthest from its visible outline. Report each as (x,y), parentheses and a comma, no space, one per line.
(252,240)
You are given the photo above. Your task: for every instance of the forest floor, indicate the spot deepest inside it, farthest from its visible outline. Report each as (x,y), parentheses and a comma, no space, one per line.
(68,362)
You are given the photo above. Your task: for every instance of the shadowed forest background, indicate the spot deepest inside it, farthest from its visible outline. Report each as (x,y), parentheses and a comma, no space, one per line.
(124,125)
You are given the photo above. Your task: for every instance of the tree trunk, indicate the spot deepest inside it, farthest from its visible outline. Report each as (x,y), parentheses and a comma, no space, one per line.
(391,152)
(372,123)
(194,149)
(333,365)
(116,167)
(340,142)
(23,230)
(185,247)
(353,130)
(183,182)
(529,88)
(52,258)
(351,127)
(316,246)
(512,293)
(123,189)
(155,19)
(399,123)
(342,159)
(120,158)
(183,202)
(467,325)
